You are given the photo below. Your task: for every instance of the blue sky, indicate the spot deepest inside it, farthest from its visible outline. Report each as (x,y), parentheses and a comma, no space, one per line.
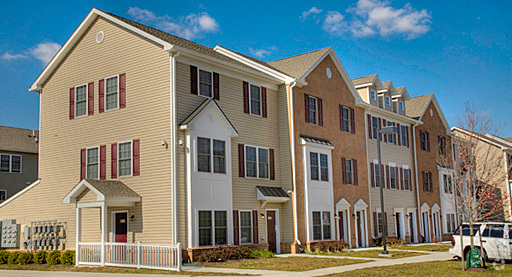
(459,50)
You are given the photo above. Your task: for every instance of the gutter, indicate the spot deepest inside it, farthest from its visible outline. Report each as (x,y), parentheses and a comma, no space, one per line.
(294,169)
(420,221)
(174,146)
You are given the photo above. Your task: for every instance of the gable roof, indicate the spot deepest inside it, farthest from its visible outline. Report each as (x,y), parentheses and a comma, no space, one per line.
(364,80)
(19,140)
(416,106)
(386,84)
(210,102)
(298,66)
(105,190)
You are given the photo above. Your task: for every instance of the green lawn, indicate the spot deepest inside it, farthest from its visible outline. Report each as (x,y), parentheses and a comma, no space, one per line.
(285,264)
(375,254)
(447,268)
(429,247)
(105,269)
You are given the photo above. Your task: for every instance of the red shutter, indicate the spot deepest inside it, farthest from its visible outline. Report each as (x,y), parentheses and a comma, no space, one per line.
(320,113)
(103,162)
(407,130)
(101,84)
(424,179)
(136,157)
(369,117)
(83,159)
(431,188)
(388,180)
(382,179)
(384,123)
(386,222)
(341,118)
(90,100)
(380,126)
(71,103)
(236,236)
(399,137)
(375,226)
(216,92)
(113,153)
(428,141)
(246,97)
(402,179)
(355,177)
(122,90)
(352,122)
(344,170)
(394,134)
(397,178)
(372,173)
(255,237)
(241,161)
(193,79)
(410,180)
(263,102)
(272,164)
(306,104)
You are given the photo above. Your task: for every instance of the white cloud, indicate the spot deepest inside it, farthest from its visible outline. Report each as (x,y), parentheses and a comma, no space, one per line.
(42,51)
(188,27)
(261,53)
(370,17)
(313,11)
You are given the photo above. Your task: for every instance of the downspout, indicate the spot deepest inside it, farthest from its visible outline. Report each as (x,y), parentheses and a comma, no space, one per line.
(369,173)
(39,140)
(294,177)
(174,148)
(507,182)
(419,214)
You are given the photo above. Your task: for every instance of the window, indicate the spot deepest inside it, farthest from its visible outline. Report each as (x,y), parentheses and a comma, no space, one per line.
(427,181)
(10,163)
(392,177)
(319,172)
(391,137)
(387,101)
(442,145)
(403,135)
(465,229)
(378,174)
(212,231)
(450,223)
(380,227)
(256,162)
(205,155)
(425,141)
(92,163)
(345,117)
(407,179)
(112,93)
(205,83)
(375,127)
(255,97)
(321,225)
(448,186)
(245,227)
(349,171)
(313,110)
(509,166)
(494,231)
(81,100)
(372,94)
(3,195)
(401,105)
(125,159)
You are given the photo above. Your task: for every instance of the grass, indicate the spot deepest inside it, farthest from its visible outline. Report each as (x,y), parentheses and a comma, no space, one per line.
(429,247)
(446,268)
(285,264)
(375,254)
(105,269)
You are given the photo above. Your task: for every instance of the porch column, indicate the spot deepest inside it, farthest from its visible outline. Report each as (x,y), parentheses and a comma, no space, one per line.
(103,231)
(78,233)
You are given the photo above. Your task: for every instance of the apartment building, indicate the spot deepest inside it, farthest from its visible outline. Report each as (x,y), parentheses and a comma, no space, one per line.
(18,160)
(433,154)
(386,107)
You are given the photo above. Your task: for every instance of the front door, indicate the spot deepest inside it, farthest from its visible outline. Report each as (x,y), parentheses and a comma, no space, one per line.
(398,226)
(411,227)
(341,219)
(359,225)
(271,231)
(426,231)
(121,230)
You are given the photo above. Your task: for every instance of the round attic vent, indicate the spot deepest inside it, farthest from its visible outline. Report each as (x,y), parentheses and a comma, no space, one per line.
(329,73)
(100,36)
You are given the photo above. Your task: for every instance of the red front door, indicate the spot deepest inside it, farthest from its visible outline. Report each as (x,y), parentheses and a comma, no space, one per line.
(271,231)
(341,225)
(121,234)
(359,231)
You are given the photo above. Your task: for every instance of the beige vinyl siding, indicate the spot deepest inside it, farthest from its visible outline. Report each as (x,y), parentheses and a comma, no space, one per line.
(13,182)
(253,130)
(364,94)
(146,117)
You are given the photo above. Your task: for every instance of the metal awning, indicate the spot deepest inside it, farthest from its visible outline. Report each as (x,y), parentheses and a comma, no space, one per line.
(271,195)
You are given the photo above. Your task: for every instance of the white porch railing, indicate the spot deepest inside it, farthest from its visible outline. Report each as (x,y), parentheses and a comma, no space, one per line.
(131,255)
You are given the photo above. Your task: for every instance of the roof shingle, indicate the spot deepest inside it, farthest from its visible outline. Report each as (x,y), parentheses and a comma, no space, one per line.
(364,80)
(297,66)
(18,139)
(112,188)
(416,106)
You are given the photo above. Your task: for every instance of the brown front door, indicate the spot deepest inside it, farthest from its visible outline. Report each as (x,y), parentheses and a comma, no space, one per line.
(359,231)
(341,225)
(398,227)
(121,234)
(411,228)
(271,231)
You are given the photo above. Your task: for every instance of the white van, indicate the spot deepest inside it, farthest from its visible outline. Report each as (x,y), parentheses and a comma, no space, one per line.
(496,240)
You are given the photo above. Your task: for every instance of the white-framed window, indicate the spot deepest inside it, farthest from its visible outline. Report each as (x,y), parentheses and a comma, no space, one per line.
(372,95)
(211,151)
(349,171)
(403,135)
(448,186)
(3,195)
(255,99)
(346,119)
(380,227)
(256,162)
(81,100)
(321,225)
(125,159)
(450,223)
(92,166)
(378,174)
(212,228)
(10,163)
(112,93)
(313,110)
(401,105)
(390,136)
(319,166)
(392,177)
(205,83)
(245,218)
(387,101)
(407,179)
(375,127)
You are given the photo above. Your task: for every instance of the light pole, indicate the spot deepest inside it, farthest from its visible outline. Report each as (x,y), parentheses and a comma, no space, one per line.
(383,131)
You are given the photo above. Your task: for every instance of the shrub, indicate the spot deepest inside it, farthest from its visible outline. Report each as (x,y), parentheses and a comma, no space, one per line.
(54,257)
(13,257)
(224,253)
(394,242)
(4,256)
(262,253)
(68,257)
(25,258)
(330,246)
(40,257)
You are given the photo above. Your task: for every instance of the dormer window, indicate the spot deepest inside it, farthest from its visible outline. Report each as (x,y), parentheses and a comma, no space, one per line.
(387,101)
(372,95)
(401,105)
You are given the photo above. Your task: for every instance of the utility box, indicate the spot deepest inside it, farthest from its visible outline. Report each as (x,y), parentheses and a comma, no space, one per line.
(10,234)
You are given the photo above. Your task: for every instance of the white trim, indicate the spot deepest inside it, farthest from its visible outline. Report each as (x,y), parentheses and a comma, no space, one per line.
(190,125)
(20,193)
(105,92)
(278,231)
(314,144)
(250,99)
(213,226)
(199,82)
(478,137)
(119,159)
(10,163)
(294,169)
(364,85)
(346,224)
(86,100)
(113,224)
(87,163)
(5,194)
(317,115)
(240,228)
(257,161)
(402,234)
(90,205)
